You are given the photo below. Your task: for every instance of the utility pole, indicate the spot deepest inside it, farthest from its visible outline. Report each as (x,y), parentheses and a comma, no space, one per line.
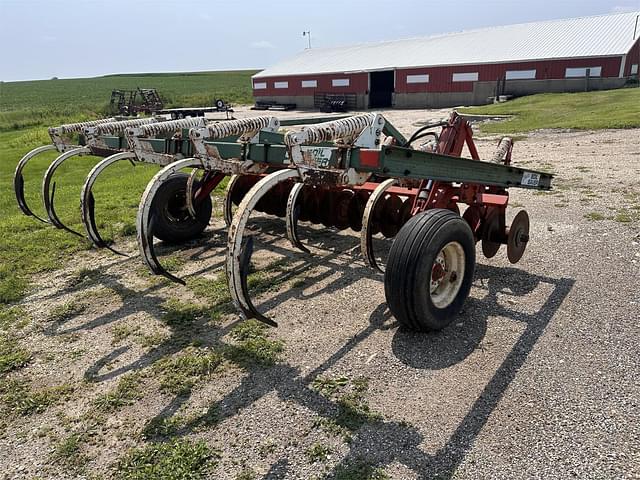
(308,35)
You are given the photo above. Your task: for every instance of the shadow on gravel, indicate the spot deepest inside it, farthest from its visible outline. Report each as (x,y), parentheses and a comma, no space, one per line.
(374,440)
(434,351)
(379,442)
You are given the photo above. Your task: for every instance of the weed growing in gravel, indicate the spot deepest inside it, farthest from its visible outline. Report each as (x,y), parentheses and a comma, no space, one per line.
(330,426)
(12,356)
(353,410)
(152,340)
(182,314)
(263,280)
(172,262)
(180,459)
(164,426)
(246,474)
(299,283)
(13,318)
(68,310)
(360,470)
(624,215)
(594,216)
(253,347)
(85,276)
(181,373)
(318,452)
(68,452)
(215,291)
(122,332)
(19,399)
(328,386)
(126,392)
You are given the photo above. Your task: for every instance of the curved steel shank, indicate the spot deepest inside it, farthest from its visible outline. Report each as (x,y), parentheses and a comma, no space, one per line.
(238,255)
(48,196)
(293,212)
(366,240)
(144,219)
(18,180)
(87,201)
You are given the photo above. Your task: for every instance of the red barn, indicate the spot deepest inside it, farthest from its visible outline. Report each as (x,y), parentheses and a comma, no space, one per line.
(465,68)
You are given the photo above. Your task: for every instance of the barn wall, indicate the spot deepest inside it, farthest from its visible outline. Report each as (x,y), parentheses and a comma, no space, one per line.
(632,57)
(358,83)
(482,91)
(440,77)
(441,91)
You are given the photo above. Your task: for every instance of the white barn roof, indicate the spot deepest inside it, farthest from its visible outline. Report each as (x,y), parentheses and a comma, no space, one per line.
(598,36)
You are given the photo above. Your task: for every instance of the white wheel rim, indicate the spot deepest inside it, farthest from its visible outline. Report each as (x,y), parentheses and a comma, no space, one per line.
(447,273)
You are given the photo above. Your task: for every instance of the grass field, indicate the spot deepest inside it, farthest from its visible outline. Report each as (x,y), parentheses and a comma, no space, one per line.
(44,102)
(588,110)
(29,247)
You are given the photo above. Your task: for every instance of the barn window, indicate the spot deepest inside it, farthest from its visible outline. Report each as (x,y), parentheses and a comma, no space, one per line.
(465,77)
(259,85)
(582,72)
(634,69)
(418,78)
(520,75)
(280,84)
(309,83)
(340,82)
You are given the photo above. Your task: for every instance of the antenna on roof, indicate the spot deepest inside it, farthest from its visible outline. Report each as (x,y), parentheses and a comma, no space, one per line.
(307,34)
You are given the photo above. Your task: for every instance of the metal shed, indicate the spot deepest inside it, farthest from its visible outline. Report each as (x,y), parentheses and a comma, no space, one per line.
(468,67)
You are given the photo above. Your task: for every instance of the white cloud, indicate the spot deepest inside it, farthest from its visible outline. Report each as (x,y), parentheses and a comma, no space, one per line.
(262,44)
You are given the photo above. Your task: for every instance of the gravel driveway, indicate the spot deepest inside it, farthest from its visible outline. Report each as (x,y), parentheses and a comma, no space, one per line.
(537,378)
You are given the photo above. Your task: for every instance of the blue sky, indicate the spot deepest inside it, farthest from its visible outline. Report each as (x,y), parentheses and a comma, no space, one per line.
(65,38)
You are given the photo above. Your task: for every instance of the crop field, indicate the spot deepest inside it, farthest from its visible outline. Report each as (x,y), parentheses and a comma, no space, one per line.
(46,102)
(107,371)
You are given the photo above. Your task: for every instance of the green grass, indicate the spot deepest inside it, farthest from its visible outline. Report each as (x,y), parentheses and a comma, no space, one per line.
(178,460)
(253,347)
(41,102)
(18,398)
(594,216)
(588,110)
(12,356)
(353,410)
(182,372)
(67,310)
(360,470)
(69,452)
(13,318)
(318,452)
(29,247)
(126,392)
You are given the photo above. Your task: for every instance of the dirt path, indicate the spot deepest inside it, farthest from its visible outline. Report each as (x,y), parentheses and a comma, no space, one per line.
(538,378)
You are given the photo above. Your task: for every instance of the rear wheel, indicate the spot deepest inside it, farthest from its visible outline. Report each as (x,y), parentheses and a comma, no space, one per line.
(430,270)
(171,219)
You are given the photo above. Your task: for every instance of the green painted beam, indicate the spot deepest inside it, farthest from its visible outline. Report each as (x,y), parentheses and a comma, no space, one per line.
(402,162)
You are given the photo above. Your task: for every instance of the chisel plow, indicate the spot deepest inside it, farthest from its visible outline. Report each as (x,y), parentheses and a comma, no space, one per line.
(357,173)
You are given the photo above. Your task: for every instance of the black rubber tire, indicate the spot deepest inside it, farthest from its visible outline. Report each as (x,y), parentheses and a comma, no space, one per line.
(171,220)
(409,266)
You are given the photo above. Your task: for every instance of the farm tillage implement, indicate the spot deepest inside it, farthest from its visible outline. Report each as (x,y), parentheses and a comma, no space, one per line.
(354,172)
